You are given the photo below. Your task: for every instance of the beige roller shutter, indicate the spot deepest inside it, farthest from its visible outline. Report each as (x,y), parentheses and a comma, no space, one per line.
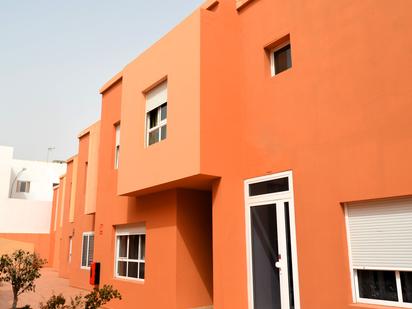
(156,97)
(380,234)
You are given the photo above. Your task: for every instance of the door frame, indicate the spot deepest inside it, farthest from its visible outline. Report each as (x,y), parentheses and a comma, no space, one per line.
(265,199)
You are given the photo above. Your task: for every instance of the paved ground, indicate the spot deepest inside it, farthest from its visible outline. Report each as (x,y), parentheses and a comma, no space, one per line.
(46,285)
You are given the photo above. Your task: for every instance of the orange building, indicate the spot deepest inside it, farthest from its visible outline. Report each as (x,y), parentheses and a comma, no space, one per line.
(257,156)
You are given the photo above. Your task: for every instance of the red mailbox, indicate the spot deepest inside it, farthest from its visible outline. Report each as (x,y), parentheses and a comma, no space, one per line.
(94,273)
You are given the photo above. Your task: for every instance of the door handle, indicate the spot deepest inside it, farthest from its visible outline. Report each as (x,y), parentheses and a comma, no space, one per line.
(278,263)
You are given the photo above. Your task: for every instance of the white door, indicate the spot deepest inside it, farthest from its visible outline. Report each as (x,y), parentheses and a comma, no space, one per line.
(272,266)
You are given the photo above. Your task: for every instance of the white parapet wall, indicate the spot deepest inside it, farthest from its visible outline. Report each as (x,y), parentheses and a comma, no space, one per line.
(24,216)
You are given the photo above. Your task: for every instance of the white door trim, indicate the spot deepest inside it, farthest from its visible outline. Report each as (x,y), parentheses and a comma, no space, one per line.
(264,199)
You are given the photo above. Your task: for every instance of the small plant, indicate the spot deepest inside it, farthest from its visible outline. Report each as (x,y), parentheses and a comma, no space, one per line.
(21,269)
(59,302)
(99,297)
(94,300)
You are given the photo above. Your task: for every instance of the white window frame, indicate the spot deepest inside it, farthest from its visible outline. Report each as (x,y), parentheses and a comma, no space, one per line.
(88,234)
(117,146)
(262,199)
(160,123)
(26,187)
(272,56)
(355,282)
(129,230)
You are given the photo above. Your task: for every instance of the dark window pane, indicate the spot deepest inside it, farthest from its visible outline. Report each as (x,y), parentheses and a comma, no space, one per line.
(133,247)
(376,284)
(270,186)
(163,132)
(153,118)
(266,288)
(141,270)
(84,251)
(154,137)
(121,268)
(163,111)
(132,270)
(289,252)
(90,251)
(142,246)
(406,282)
(283,59)
(122,246)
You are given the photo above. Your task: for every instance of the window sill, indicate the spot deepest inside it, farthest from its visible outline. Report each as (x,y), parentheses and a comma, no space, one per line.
(129,280)
(242,3)
(85,268)
(373,306)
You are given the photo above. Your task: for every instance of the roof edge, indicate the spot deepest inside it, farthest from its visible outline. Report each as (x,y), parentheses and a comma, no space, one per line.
(111,82)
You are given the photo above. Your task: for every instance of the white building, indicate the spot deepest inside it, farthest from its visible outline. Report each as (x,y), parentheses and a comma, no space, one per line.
(26,193)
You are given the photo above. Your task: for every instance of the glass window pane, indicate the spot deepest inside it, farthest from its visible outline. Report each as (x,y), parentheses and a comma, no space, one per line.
(133,247)
(84,251)
(376,284)
(121,268)
(289,255)
(266,284)
(153,118)
(283,59)
(141,270)
(270,186)
(154,137)
(132,270)
(163,111)
(142,246)
(90,251)
(122,246)
(163,132)
(406,282)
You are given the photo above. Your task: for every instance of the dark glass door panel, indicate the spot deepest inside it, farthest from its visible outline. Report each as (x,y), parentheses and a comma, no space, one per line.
(266,285)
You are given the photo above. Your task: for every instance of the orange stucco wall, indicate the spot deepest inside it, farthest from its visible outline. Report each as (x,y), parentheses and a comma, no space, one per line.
(339,119)
(182,143)
(40,242)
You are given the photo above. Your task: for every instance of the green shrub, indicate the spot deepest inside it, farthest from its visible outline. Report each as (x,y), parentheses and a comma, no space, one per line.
(21,269)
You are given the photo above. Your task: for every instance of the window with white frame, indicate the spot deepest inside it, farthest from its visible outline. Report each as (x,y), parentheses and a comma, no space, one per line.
(130,251)
(87,249)
(117,147)
(281,58)
(380,248)
(156,114)
(23,186)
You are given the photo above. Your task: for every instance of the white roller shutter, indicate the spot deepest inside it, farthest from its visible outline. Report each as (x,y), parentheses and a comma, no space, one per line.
(156,97)
(380,234)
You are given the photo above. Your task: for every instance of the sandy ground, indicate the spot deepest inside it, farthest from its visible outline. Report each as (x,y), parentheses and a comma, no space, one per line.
(46,285)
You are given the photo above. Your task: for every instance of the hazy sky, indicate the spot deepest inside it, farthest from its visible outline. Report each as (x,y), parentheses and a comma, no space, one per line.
(54,57)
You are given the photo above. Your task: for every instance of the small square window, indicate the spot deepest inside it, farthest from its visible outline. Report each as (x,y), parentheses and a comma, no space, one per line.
(23,186)
(281,58)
